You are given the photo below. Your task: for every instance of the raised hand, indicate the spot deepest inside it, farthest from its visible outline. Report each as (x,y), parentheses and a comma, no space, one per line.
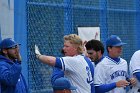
(19,57)
(37,52)
(18,54)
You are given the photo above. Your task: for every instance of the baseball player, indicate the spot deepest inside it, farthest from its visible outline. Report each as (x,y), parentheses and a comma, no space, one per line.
(135,71)
(95,50)
(111,72)
(76,67)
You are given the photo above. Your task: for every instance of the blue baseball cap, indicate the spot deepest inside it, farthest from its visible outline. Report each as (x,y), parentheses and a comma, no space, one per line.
(114,40)
(63,83)
(7,43)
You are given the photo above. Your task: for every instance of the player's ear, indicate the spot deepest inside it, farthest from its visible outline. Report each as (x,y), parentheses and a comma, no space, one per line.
(4,51)
(109,48)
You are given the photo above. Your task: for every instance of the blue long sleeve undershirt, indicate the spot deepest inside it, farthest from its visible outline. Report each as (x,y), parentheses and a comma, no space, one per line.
(105,88)
(137,74)
(58,63)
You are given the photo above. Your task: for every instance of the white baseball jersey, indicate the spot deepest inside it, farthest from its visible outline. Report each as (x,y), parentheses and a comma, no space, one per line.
(135,67)
(109,71)
(78,71)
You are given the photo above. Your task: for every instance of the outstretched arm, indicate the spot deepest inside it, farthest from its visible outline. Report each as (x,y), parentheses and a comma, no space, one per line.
(50,60)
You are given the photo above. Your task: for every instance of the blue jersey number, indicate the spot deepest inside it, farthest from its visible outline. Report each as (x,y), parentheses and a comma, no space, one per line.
(89,78)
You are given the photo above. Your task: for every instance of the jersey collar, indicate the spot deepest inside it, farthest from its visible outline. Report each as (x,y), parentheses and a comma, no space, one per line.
(115,60)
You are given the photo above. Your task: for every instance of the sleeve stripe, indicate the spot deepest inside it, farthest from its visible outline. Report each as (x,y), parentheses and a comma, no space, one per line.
(96,84)
(63,65)
(137,70)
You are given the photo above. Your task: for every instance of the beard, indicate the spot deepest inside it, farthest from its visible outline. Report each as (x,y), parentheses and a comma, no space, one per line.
(96,58)
(12,56)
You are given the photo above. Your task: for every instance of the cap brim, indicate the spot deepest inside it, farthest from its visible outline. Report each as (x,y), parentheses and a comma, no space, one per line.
(120,44)
(19,44)
(13,45)
(73,88)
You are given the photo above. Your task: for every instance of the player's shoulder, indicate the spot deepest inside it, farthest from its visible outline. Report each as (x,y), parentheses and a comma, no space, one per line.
(102,62)
(71,57)
(137,53)
(102,65)
(121,59)
(135,57)
(105,60)
(108,60)
(74,58)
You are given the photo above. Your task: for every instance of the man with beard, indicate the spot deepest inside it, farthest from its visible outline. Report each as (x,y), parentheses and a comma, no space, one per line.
(95,50)
(11,79)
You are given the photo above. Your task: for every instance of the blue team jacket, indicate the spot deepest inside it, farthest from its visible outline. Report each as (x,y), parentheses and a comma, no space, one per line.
(11,79)
(57,73)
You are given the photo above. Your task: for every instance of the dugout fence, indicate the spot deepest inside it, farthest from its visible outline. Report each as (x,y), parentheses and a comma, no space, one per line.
(49,20)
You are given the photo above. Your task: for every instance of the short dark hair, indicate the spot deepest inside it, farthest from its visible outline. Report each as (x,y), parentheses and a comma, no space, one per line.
(95,45)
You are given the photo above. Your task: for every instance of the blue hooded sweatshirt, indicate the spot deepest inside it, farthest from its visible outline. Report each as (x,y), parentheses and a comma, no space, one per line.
(11,79)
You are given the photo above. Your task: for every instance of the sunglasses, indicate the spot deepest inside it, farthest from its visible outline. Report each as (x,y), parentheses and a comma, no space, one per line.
(13,47)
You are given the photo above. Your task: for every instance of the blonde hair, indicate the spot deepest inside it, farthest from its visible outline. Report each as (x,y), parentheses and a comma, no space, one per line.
(76,40)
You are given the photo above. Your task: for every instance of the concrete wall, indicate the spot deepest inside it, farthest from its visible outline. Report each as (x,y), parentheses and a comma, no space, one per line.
(7,18)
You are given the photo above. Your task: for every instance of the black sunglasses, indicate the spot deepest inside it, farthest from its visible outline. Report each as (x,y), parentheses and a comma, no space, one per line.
(13,47)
